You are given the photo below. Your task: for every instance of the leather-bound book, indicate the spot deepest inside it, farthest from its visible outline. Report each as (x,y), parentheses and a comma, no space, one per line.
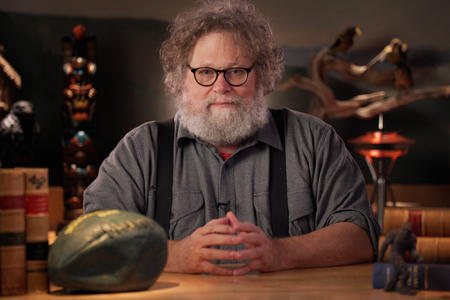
(433,250)
(424,221)
(12,233)
(37,226)
(421,276)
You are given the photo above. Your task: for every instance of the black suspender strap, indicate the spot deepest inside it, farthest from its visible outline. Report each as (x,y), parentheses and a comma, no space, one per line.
(277,182)
(164,171)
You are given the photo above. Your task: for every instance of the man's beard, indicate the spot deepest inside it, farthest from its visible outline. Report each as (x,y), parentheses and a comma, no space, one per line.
(223,126)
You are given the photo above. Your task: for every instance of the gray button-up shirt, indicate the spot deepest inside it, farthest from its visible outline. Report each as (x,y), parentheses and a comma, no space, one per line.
(324,184)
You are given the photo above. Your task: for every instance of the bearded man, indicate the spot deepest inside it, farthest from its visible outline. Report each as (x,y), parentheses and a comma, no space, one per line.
(227,203)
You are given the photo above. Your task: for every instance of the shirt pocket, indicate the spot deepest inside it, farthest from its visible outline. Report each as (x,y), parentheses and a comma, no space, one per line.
(262,212)
(187,214)
(301,212)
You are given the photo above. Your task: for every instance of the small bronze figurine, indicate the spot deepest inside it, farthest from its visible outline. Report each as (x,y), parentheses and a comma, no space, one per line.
(402,241)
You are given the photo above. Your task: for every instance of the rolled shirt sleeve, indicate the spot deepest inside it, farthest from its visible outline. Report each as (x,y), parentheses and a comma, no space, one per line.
(325,184)
(339,186)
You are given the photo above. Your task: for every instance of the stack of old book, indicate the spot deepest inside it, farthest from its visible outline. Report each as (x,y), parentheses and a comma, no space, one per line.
(23,231)
(432,229)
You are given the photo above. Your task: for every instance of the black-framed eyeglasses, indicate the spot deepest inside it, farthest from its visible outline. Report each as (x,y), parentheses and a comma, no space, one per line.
(206,76)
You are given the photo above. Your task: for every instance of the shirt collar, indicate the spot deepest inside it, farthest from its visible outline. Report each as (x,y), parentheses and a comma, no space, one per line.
(267,134)
(181,132)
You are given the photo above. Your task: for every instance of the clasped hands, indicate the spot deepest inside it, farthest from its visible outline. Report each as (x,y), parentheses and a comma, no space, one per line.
(194,253)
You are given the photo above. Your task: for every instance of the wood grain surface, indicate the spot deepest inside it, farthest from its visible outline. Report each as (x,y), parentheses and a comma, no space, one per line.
(346,282)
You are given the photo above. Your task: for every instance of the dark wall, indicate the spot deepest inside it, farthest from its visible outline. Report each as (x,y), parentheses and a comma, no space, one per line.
(128,80)
(130,92)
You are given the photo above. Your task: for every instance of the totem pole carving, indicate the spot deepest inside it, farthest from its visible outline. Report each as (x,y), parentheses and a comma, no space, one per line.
(80,156)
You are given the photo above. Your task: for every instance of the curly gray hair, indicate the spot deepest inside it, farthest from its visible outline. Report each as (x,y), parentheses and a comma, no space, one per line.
(236,16)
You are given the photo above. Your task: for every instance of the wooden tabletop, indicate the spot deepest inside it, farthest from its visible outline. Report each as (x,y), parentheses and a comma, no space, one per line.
(347,282)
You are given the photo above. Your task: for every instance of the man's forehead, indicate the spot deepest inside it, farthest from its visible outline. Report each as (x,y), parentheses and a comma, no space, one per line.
(219,46)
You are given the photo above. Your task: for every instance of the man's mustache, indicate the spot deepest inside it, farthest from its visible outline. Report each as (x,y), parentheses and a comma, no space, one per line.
(215,100)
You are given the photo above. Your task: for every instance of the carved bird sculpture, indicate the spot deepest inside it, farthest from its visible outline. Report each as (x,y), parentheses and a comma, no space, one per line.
(345,39)
(395,53)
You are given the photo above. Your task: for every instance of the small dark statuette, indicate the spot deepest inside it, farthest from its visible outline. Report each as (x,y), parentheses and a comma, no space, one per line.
(402,241)
(18,132)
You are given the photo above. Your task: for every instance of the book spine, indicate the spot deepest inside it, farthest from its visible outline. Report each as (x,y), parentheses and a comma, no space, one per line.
(12,233)
(37,226)
(425,222)
(432,249)
(421,276)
